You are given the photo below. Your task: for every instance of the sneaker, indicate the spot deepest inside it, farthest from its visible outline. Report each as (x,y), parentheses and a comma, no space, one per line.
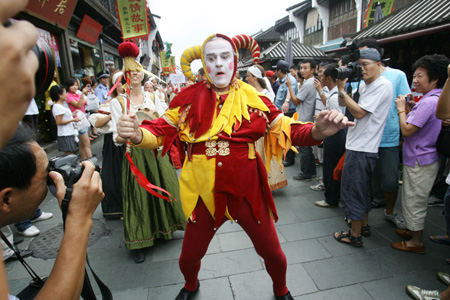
(318,187)
(419,294)
(396,219)
(30,231)
(435,201)
(323,203)
(301,177)
(42,217)
(444,277)
(319,178)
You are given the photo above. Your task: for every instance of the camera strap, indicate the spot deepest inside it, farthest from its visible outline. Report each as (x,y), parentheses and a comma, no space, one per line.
(36,278)
(87,293)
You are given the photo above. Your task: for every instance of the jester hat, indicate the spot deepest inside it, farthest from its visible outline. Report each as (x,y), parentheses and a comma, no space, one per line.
(197,52)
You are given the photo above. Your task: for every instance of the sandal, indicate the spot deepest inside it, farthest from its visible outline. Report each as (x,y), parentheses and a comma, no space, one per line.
(348,222)
(353,241)
(365,231)
(441,239)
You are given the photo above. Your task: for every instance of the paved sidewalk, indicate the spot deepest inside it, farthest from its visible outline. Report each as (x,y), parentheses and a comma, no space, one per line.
(318,266)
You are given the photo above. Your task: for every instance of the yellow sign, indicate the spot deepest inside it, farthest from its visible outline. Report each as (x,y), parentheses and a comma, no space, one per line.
(133,19)
(378,9)
(167,63)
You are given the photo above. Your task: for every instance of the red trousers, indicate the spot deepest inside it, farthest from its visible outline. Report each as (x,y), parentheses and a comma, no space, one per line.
(264,237)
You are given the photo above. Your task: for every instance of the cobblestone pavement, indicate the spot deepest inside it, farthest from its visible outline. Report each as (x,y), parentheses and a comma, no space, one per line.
(318,266)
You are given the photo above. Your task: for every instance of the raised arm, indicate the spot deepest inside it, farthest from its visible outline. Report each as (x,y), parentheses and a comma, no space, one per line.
(66,279)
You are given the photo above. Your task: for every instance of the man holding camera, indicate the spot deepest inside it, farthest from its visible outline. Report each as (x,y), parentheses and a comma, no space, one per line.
(386,169)
(21,195)
(23,186)
(362,144)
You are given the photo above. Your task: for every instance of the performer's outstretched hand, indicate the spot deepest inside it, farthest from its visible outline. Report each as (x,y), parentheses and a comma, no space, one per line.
(329,122)
(128,128)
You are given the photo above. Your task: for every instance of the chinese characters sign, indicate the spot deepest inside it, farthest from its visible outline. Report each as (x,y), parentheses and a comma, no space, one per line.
(133,17)
(167,63)
(57,12)
(89,30)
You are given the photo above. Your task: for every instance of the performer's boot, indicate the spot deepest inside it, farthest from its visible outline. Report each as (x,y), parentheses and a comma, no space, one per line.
(288,296)
(185,294)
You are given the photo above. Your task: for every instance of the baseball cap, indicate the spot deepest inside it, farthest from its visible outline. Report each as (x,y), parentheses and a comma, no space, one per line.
(270,73)
(283,66)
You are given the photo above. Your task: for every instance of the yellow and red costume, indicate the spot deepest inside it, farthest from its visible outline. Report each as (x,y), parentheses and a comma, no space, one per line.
(223,177)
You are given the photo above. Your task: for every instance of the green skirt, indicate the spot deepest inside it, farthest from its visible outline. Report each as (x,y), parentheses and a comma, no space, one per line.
(146,217)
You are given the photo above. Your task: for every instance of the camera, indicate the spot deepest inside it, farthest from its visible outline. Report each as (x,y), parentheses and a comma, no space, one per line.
(68,167)
(352,71)
(46,70)
(44,75)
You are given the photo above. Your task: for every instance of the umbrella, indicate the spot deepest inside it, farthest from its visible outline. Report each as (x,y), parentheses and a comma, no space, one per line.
(289,57)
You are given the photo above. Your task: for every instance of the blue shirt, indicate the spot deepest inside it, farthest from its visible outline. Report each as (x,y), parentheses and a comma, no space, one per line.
(100,92)
(391,134)
(283,90)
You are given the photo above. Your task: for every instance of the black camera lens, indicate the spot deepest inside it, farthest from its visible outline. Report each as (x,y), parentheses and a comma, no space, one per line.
(341,73)
(46,70)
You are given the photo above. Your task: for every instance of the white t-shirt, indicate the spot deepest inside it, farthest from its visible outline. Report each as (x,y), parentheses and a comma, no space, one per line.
(32,108)
(268,94)
(66,129)
(375,98)
(333,101)
(307,106)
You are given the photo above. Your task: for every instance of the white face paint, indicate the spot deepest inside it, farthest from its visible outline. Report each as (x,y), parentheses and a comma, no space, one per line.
(219,60)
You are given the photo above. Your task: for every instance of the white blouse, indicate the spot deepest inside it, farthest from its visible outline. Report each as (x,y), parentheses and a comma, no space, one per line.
(116,111)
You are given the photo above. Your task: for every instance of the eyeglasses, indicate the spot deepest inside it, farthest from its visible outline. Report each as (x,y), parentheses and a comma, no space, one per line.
(364,65)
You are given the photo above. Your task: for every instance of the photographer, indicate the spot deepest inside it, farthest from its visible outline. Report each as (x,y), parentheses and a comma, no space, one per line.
(362,143)
(23,177)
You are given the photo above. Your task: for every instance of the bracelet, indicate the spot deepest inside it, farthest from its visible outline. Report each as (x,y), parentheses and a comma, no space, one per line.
(402,111)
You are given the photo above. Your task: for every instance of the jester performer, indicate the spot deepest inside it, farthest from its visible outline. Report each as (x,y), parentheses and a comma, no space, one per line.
(223,177)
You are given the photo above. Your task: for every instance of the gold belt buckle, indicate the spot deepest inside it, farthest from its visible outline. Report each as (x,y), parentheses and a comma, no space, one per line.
(212,151)
(223,148)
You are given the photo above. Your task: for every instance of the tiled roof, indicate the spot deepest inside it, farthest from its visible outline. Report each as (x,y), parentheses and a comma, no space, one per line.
(421,14)
(267,35)
(278,51)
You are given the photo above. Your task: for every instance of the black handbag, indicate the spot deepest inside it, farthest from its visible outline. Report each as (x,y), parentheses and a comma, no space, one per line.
(443,141)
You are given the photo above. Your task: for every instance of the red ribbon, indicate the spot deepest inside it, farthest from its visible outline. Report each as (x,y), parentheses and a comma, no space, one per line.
(143,182)
(140,178)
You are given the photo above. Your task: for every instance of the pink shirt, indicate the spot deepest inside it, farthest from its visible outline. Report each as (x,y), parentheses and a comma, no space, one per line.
(74,97)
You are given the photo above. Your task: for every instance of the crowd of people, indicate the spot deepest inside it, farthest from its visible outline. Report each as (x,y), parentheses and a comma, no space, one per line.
(223,130)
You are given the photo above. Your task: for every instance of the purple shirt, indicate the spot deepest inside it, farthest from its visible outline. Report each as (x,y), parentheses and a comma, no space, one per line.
(421,146)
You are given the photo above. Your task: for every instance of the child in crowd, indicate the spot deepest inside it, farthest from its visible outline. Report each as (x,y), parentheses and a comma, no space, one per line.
(64,120)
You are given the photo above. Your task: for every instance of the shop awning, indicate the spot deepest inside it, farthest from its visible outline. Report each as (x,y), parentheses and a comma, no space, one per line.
(278,51)
(423,17)
(330,45)
(420,15)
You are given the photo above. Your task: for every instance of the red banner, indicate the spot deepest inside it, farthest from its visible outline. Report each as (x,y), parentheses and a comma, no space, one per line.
(57,12)
(89,30)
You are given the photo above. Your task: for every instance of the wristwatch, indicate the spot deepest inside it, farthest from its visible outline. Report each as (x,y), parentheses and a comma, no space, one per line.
(341,95)
(286,101)
(321,93)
